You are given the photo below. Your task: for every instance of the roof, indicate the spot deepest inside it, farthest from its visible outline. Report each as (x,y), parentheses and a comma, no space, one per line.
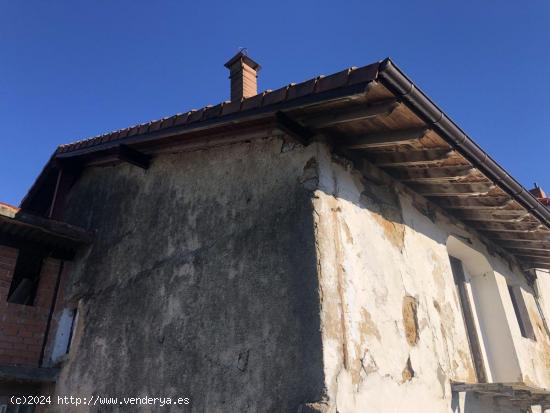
(540,195)
(26,374)
(374,113)
(21,228)
(264,100)
(8,210)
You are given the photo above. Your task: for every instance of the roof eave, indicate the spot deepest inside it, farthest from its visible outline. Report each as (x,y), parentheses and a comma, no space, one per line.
(400,84)
(239,118)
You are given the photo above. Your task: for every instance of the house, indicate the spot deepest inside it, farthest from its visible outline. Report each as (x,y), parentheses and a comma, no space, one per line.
(337,245)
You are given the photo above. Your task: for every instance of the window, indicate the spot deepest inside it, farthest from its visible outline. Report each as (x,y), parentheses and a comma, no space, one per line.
(468,315)
(64,336)
(522,315)
(487,327)
(25,277)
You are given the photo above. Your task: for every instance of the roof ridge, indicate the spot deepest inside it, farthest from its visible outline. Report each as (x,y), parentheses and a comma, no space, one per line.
(290,91)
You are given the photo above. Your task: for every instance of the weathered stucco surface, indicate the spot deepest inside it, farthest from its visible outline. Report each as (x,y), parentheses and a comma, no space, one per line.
(201,282)
(276,278)
(393,333)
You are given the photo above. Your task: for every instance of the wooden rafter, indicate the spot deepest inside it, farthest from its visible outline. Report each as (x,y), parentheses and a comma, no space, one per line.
(363,112)
(542,256)
(526,237)
(480,203)
(293,128)
(408,158)
(385,139)
(133,156)
(502,227)
(510,216)
(533,246)
(434,174)
(452,189)
(531,264)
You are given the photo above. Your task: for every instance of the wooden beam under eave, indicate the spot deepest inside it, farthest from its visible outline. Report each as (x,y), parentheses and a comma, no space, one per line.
(529,246)
(452,189)
(501,227)
(335,117)
(531,255)
(531,237)
(293,128)
(485,203)
(492,216)
(433,174)
(510,241)
(497,220)
(128,154)
(51,228)
(385,139)
(409,158)
(535,265)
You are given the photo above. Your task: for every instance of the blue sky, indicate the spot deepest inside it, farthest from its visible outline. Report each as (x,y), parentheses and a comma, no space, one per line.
(74,69)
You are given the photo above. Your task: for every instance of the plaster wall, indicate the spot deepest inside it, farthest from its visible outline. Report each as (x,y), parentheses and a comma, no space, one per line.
(543,292)
(380,247)
(201,282)
(266,277)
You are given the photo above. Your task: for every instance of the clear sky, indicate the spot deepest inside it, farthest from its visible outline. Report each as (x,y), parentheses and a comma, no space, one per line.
(74,69)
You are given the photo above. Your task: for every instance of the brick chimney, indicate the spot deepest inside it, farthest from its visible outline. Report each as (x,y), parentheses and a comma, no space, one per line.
(540,195)
(243,72)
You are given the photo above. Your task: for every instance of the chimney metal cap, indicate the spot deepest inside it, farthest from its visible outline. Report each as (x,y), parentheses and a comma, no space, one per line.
(242,56)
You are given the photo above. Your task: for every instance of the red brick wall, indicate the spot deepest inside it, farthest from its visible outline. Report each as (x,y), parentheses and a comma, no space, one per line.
(22,327)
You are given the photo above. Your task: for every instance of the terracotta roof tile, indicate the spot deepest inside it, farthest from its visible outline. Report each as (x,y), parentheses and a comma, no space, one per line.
(96,141)
(302,89)
(231,107)
(213,111)
(105,137)
(8,210)
(339,79)
(252,102)
(133,130)
(143,129)
(123,133)
(195,116)
(363,74)
(181,118)
(168,122)
(275,96)
(155,125)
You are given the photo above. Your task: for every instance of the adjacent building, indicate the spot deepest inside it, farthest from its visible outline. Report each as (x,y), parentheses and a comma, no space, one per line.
(337,245)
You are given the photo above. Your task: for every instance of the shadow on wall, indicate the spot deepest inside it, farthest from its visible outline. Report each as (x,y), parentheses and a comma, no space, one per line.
(379,196)
(206,287)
